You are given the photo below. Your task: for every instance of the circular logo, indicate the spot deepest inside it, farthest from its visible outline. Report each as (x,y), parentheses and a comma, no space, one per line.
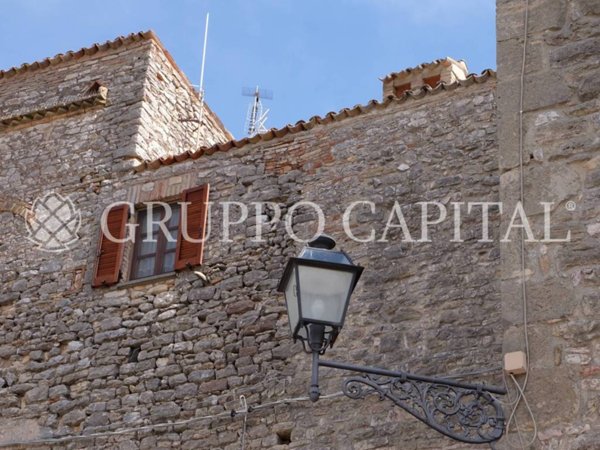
(55,223)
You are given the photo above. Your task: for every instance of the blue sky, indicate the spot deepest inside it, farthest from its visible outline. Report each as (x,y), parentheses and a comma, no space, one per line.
(316,56)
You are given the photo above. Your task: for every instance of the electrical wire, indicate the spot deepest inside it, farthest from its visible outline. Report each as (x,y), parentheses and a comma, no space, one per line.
(113,432)
(522,394)
(521,389)
(229,414)
(475,372)
(522,191)
(244,411)
(511,403)
(288,401)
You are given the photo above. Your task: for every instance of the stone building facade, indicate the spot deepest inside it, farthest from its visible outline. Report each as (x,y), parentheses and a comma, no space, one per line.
(115,361)
(560,107)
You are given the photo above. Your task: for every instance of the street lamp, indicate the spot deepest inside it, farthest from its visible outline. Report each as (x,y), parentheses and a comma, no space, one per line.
(317,286)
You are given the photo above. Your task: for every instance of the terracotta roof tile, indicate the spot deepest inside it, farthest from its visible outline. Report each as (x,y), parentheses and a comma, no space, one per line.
(120,41)
(330,117)
(86,51)
(426,65)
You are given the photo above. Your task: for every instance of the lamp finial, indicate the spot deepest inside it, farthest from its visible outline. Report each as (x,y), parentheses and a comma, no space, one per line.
(323,241)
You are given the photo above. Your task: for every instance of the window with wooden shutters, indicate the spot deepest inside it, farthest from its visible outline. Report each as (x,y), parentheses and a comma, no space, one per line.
(189,251)
(110,253)
(163,243)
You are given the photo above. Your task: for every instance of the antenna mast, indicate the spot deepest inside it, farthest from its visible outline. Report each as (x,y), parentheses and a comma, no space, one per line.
(201,86)
(256,116)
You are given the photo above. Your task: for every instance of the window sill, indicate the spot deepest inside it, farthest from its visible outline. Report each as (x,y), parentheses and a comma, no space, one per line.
(147,280)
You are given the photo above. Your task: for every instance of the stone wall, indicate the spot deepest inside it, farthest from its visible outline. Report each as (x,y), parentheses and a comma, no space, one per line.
(560,165)
(76,146)
(73,153)
(77,149)
(169,108)
(74,359)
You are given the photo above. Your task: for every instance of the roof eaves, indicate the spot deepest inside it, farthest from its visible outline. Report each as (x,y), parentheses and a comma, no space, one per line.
(116,43)
(426,65)
(330,117)
(96,98)
(85,51)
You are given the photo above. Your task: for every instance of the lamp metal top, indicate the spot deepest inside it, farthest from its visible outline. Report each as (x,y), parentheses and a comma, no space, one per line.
(323,241)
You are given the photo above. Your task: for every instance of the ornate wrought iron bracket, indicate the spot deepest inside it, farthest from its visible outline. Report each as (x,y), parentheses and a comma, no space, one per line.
(464,412)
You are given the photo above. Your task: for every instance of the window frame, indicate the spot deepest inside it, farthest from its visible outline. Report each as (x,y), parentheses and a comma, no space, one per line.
(161,245)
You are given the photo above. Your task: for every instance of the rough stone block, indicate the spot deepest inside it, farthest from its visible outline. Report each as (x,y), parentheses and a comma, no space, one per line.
(588,7)
(541,90)
(19,430)
(544,15)
(572,51)
(589,88)
(213,386)
(201,294)
(509,58)
(74,417)
(168,410)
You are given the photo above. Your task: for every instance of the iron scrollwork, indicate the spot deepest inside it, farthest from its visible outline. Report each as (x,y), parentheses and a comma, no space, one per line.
(465,414)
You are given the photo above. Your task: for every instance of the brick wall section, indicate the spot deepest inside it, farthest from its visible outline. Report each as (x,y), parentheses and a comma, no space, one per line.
(561,164)
(431,308)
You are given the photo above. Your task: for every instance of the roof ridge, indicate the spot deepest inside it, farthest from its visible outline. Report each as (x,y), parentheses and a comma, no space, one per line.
(76,54)
(449,60)
(115,43)
(330,117)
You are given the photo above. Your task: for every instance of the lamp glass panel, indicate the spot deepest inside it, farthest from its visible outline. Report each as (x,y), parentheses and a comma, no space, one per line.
(324,293)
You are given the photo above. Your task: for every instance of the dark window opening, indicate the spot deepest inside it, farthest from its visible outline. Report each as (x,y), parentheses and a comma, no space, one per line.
(401,89)
(284,437)
(133,354)
(154,250)
(432,81)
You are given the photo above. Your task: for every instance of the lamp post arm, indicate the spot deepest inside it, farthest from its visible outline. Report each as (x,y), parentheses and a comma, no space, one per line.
(462,411)
(314,392)
(411,377)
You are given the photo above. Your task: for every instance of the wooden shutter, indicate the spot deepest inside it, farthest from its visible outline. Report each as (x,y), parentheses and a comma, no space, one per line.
(110,254)
(190,253)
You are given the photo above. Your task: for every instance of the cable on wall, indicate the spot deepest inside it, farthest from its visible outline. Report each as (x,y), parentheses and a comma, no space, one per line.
(230,414)
(520,396)
(244,410)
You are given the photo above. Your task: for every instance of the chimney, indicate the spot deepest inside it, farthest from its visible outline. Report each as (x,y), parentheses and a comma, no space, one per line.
(445,70)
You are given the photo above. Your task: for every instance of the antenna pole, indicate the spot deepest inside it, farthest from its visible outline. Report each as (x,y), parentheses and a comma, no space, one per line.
(203,57)
(255,106)
(201,90)
(256,116)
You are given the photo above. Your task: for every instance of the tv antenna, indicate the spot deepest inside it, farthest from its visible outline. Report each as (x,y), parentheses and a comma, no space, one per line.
(201,86)
(256,116)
